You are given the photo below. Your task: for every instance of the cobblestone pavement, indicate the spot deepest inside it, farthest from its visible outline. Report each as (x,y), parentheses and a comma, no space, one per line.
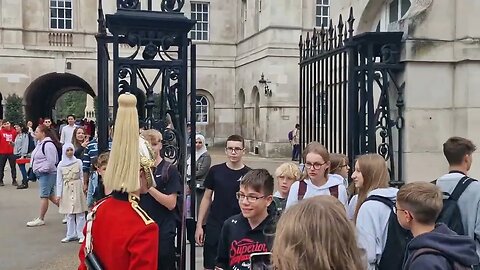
(39,248)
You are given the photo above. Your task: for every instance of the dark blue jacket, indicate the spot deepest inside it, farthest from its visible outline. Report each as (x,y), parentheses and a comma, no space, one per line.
(454,248)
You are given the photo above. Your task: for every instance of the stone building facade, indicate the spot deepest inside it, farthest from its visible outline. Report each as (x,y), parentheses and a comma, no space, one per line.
(441,52)
(47,47)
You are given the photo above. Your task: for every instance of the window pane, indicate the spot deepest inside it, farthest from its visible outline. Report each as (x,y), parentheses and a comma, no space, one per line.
(61,4)
(327,2)
(204,118)
(325,11)
(325,21)
(53,3)
(394,11)
(68,13)
(319,11)
(319,2)
(68,4)
(405,6)
(53,23)
(205,17)
(205,8)
(198,109)
(68,24)
(205,26)
(61,13)
(194,7)
(53,13)
(199,118)
(61,24)
(205,36)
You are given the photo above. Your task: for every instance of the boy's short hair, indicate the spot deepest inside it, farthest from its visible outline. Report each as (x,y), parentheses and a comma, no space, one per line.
(455,148)
(236,138)
(288,169)
(424,200)
(102,159)
(259,180)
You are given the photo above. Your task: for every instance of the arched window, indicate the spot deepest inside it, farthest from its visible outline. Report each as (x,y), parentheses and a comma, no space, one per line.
(201,109)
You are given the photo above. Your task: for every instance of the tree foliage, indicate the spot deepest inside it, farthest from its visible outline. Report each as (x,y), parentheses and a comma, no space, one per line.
(14,109)
(73,102)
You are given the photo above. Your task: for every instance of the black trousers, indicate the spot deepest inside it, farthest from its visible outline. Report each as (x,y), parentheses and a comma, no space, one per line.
(166,254)
(11,161)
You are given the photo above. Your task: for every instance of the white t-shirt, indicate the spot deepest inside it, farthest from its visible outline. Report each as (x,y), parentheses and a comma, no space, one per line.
(67,134)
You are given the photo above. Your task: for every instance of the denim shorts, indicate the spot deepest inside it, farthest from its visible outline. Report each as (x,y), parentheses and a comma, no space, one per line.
(46,182)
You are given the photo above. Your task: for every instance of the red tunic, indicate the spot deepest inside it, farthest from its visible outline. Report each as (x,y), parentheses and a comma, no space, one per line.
(123,235)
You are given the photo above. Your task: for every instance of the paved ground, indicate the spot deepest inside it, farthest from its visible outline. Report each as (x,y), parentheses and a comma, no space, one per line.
(39,248)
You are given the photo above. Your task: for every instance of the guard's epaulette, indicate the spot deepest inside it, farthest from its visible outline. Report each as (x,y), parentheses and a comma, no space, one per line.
(133,199)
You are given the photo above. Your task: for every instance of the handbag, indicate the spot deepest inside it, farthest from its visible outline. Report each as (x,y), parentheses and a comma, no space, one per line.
(31,175)
(91,261)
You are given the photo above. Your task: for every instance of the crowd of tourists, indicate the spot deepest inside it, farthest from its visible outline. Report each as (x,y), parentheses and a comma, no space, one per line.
(322,215)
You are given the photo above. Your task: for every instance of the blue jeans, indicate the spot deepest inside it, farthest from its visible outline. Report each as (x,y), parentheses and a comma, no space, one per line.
(296,152)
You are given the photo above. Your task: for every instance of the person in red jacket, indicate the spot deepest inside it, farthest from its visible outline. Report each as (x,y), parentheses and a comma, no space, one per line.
(119,233)
(7,141)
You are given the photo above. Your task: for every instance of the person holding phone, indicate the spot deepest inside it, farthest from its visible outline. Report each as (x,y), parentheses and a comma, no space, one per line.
(80,140)
(246,233)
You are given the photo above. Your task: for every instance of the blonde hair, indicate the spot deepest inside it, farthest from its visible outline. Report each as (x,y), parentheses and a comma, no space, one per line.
(124,163)
(375,175)
(423,200)
(316,234)
(288,169)
(152,135)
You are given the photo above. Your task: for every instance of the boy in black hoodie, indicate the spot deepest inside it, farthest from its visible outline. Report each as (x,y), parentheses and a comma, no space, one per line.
(247,233)
(434,247)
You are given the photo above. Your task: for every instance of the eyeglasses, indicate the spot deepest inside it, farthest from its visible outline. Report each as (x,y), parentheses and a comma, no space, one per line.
(233,149)
(396,209)
(316,166)
(250,199)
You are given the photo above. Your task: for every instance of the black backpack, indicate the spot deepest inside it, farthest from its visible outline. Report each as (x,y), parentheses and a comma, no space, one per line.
(450,214)
(397,239)
(59,151)
(31,144)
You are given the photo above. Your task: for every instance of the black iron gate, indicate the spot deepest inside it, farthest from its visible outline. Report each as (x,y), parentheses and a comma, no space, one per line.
(350,100)
(149,50)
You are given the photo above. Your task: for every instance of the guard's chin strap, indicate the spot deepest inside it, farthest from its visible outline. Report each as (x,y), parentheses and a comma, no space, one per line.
(88,237)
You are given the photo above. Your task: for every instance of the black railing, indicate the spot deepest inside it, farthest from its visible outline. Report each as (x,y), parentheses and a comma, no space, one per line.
(348,89)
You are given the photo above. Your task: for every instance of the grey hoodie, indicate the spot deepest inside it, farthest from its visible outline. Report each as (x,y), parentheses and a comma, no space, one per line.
(469,204)
(372,224)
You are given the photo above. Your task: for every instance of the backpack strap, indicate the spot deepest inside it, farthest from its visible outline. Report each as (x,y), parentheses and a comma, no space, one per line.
(43,151)
(302,189)
(381,199)
(334,191)
(460,187)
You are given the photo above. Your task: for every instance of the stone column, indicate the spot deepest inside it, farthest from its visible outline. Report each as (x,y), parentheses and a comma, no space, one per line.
(90,109)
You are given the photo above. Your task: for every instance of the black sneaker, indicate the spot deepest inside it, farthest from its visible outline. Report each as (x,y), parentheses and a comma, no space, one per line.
(22,186)
(2,184)
(14,183)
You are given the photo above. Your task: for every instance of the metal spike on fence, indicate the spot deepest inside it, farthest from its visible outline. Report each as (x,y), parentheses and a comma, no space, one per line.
(350,22)
(340,31)
(314,41)
(323,33)
(331,35)
(307,45)
(300,46)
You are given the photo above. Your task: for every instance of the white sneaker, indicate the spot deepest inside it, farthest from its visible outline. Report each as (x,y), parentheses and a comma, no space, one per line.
(35,222)
(64,220)
(69,239)
(81,240)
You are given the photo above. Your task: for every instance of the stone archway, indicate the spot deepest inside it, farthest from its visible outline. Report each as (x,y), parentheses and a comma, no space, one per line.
(42,94)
